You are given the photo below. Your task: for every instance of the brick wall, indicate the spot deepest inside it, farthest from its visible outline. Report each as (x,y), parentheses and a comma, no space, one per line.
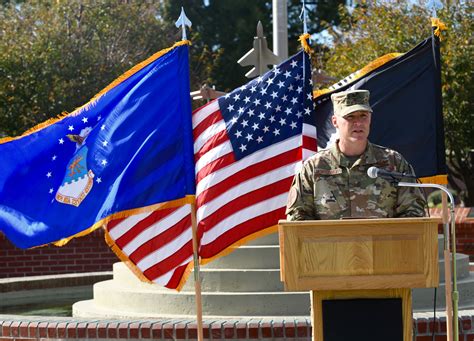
(87,254)
(465,239)
(464,230)
(34,328)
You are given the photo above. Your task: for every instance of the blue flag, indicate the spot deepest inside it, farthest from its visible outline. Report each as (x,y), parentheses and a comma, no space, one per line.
(405,94)
(126,151)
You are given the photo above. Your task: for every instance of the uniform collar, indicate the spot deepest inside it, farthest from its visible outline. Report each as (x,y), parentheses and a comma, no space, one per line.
(367,158)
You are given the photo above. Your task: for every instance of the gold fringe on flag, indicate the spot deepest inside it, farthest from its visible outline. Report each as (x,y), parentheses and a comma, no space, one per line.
(440,26)
(304,43)
(124,258)
(136,270)
(441,179)
(362,72)
(128,262)
(125,214)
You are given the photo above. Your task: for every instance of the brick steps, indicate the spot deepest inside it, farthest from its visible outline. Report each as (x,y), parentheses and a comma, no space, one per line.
(243,283)
(220,304)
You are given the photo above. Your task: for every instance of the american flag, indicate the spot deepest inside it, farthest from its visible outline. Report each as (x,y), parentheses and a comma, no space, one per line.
(157,245)
(247,146)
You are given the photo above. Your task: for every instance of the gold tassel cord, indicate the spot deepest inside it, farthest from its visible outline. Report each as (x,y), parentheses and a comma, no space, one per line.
(304,43)
(440,26)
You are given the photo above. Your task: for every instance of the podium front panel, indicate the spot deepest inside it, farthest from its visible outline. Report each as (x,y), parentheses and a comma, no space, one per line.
(359,254)
(368,314)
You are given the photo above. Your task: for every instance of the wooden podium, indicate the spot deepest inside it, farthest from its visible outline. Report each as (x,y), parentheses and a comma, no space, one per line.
(359,262)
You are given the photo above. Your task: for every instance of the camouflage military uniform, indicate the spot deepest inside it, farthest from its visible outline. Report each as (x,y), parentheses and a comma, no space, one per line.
(327,187)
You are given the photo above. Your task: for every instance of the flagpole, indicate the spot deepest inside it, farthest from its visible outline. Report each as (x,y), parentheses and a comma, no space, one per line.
(447,269)
(451,293)
(182,22)
(455,293)
(197,277)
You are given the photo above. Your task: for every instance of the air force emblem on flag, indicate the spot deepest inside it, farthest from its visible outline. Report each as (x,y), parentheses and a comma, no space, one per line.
(78,180)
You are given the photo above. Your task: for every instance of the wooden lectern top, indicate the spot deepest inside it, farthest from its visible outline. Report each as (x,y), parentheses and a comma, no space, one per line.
(352,254)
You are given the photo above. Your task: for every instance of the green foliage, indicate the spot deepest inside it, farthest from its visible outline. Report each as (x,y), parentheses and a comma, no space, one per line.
(457,88)
(55,56)
(435,199)
(223,32)
(374,30)
(370,32)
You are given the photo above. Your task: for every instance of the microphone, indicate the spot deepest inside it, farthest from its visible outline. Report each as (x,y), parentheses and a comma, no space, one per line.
(374,172)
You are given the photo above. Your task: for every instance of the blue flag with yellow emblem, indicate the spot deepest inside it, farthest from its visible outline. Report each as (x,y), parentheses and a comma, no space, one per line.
(129,149)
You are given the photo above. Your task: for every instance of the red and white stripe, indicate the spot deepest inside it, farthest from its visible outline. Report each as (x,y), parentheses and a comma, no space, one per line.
(235,199)
(158,243)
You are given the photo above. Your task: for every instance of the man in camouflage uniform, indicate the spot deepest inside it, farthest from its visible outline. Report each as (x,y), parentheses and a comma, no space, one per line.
(334,184)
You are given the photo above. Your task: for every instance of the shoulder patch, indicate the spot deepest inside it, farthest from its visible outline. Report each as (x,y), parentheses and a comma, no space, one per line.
(292,196)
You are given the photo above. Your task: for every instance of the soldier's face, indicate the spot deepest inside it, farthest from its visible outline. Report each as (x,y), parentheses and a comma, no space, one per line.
(353,127)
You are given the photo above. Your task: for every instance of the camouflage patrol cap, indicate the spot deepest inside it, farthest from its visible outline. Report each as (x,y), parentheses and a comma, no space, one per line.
(349,101)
